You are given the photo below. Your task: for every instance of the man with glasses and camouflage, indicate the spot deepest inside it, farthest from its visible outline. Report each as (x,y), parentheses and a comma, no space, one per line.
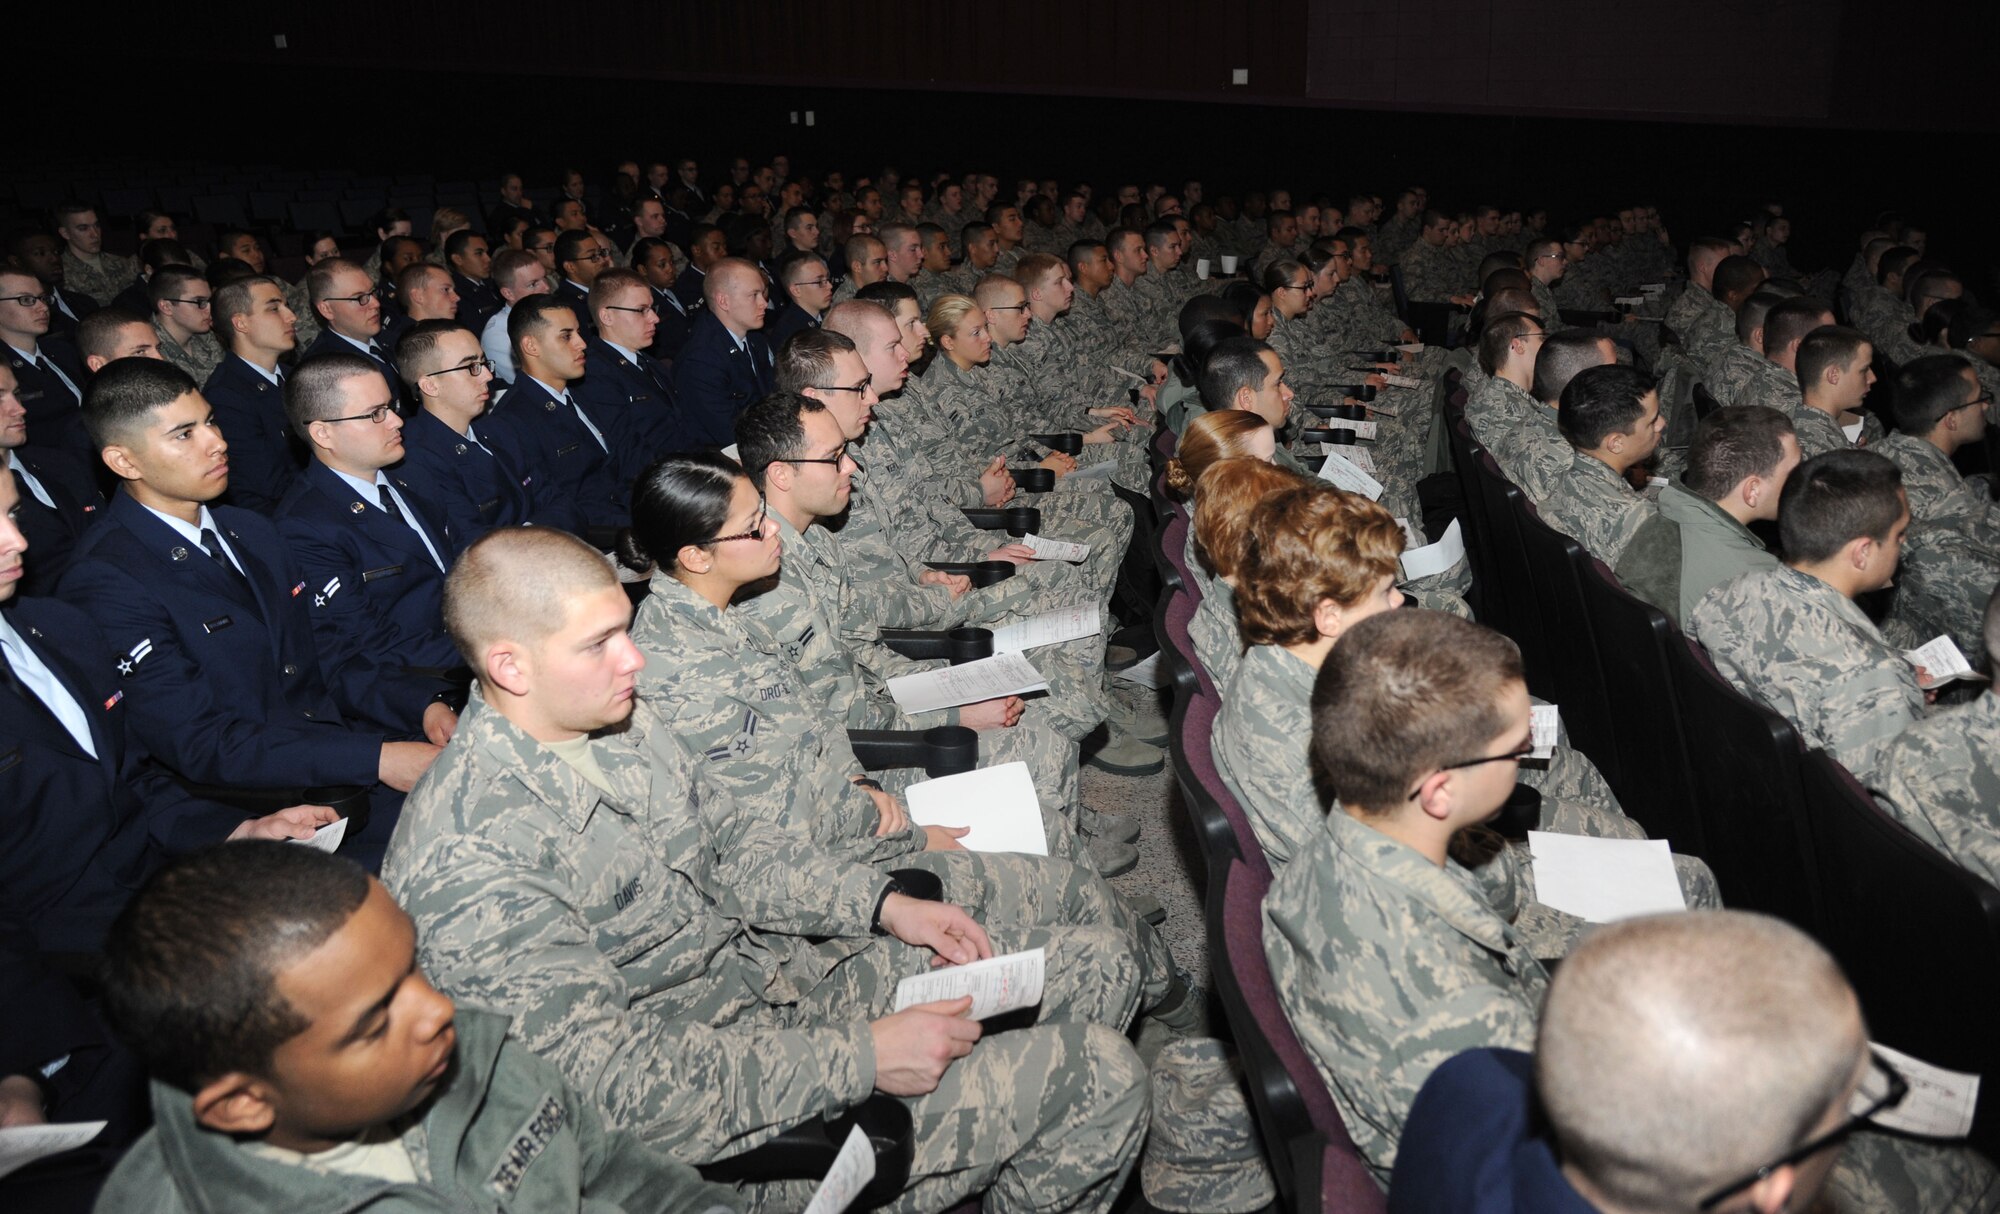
(1951,557)
(183,315)
(1706,1061)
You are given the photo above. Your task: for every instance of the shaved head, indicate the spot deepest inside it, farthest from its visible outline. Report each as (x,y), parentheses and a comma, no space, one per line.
(856,319)
(515,584)
(1679,1052)
(731,274)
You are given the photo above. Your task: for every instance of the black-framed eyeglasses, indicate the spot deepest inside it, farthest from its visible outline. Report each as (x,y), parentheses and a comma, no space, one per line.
(204,301)
(374,416)
(1020,307)
(356,300)
(475,367)
(596,255)
(860,387)
(812,282)
(835,460)
(1558,255)
(1513,756)
(29,301)
(1984,398)
(623,308)
(756,531)
(1896,1088)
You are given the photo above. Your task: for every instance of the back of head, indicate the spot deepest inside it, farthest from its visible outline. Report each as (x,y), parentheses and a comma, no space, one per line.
(1926,389)
(531,316)
(1602,401)
(888,293)
(1304,546)
(1210,439)
(1734,275)
(994,289)
(1710,251)
(191,965)
(1893,262)
(1788,322)
(1200,342)
(1402,694)
(1225,493)
(1242,298)
(158,254)
(1561,357)
(1035,270)
(122,396)
(1731,445)
(509,265)
(1499,334)
(1504,264)
(680,499)
(1835,498)
(1751,317)
(1677,1053)
(807,356)
(515,584)
(1234,364)
(1203,309)
(1932,284)
(1969,324)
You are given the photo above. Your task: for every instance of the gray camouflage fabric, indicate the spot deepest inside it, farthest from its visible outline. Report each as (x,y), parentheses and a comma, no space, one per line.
(1941,779)
(103,280)
(1805,649)
(1203,1154)
(708,988)
(1951,554)
(1596,507)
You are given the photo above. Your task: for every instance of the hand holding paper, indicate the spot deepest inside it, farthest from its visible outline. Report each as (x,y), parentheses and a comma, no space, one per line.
(998,803)
(997,984)
(1344,473)
(1942,660)
(327,837)
(1054,550)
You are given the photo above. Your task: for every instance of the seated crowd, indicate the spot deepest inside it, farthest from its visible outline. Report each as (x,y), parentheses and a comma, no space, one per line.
(550,567)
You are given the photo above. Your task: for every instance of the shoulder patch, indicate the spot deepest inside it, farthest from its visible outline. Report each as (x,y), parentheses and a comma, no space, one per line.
(526,1145)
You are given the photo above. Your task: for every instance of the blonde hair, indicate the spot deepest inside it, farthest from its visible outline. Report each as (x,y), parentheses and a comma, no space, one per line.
(945,315)
(1210,438)
(445,221)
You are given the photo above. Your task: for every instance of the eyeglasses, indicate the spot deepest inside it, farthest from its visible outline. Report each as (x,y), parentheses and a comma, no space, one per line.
(836,459)
(595,255)
(1299,287)
(756,531)
(1897,1087)
(1984,398)
(204,301)
(622,308)
(475,367)
(357,300)
(29,301)
(1558,255)
(1512,756)
(374,416)
(1008,308)
(860,387)
(812,282)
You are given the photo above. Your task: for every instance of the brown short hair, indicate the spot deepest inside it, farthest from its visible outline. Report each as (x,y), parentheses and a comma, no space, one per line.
(1306,545)
(1403,694)
(1223,500)
(1035,270)
(515,584)
(1211,438)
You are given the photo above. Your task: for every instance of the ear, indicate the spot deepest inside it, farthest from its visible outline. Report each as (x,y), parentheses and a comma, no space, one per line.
(94,362)
(779,476)
(1860,552)
(236,1103)
(531,346)
(1328,619)
(1435,796)
(119,460)
(505,666)
(1751,491)
(695,559)
(316,433)
(1774,1193)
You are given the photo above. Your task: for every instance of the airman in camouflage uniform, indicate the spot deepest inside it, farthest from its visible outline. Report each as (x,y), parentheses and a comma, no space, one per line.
(102,279)
(1766,383)
(709,984)
(1818,431)
(1387,965)
(1430,274)
(1951,556)
(199,358)
(1595,506)
(1705,325)
(1941,778)
(1737,366)
(1791,640)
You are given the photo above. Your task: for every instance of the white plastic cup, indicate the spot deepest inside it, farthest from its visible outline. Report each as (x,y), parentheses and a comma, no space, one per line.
(1201,267)
(1228,264)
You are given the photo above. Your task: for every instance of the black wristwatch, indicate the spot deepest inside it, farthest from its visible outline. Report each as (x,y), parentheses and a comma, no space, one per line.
(875,922)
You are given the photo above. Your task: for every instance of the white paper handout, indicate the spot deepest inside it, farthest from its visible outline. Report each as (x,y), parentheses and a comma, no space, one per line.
(1048,628)
(1344,473)
(327,837)
(852,1169)
(1435,558)
(1358,456)
(1411,347)
(1361,429)
(1604,880)
(1942,659)
(1145,672)
(998,803)
(1402,381)
(997,984)
(733,453)
(22,1145)
(1131,375)
(1853,431)
(1545,726)
(1940,1102)
(1630,301)
(1003,674)
(1054,550)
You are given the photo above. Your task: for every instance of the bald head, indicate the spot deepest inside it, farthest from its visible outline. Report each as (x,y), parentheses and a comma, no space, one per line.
(1680,1052)
(515,584)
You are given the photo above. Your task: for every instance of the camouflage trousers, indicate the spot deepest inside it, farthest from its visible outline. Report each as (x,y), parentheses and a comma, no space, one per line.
(1880,1172)
(1004,890)
(1048,1118)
